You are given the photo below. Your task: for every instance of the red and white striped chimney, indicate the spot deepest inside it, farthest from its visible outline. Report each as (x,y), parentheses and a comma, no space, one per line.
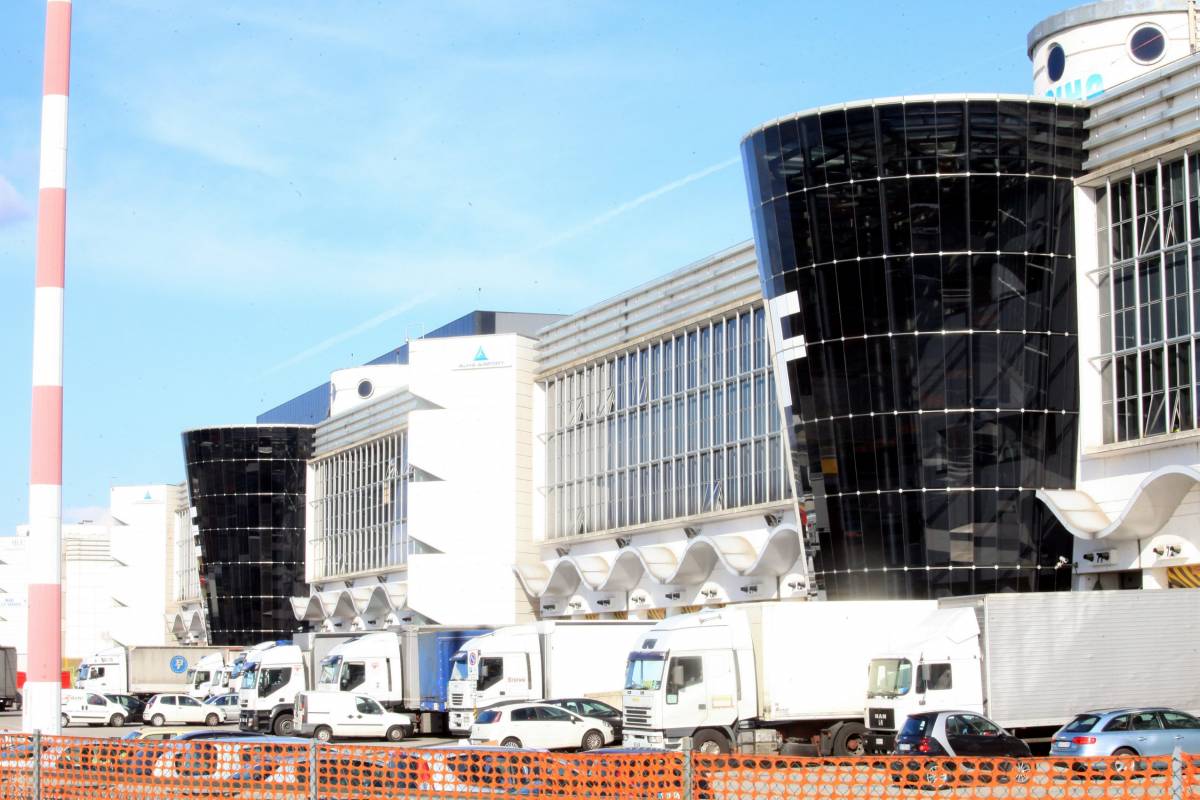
(42,693)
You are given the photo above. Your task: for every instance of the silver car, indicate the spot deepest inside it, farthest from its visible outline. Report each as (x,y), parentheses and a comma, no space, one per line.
(1128,732)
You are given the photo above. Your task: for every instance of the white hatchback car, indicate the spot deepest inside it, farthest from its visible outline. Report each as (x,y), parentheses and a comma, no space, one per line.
(539,725)
(178,709)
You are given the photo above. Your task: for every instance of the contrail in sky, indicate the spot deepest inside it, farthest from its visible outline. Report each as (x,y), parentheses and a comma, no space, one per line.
(361,327)
(596,221)
(557,239)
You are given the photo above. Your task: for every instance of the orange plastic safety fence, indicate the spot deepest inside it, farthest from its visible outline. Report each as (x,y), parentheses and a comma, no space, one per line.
(75,768)
(771,777)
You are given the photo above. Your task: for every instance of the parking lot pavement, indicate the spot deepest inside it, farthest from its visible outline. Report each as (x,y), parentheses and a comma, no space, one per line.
(10,721)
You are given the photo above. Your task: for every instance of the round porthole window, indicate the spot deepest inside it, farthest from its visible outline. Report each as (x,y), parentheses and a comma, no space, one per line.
(1147,44)
(1056,62)
(365,389)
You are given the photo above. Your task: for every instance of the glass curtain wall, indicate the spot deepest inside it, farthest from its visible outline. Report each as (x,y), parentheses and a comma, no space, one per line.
(1149,244)
(685,424)
(247,485)
(360,505)
(929,247)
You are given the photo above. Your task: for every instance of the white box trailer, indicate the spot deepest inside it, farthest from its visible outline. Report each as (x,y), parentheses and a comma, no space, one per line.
(540,661)
(1032,661)
(152,669)
(756,674)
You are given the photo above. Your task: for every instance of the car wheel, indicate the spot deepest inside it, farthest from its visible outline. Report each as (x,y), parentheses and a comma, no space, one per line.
(323,734)
(157,720)
(592,740)
(65,720)
(711,742)
(395,733)
(212,720)
(511,741)
(116,721)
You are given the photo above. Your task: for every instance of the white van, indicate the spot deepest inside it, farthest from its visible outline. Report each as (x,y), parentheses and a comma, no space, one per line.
(91,708)
(329,714)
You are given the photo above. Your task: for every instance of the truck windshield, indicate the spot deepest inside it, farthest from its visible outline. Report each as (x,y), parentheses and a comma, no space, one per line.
(458,667)
(249,677)
(330,668)
(645,670)
(83,672)
(889,677)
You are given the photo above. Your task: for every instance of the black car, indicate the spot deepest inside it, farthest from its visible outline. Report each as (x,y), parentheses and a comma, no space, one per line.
(586,707)
(133,706)
(957,733)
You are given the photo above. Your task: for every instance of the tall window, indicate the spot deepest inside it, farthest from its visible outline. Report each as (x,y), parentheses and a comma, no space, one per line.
(1149,237)
(694,429)
(360,506)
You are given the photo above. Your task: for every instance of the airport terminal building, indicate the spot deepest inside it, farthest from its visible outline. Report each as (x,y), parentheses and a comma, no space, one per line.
(958,357)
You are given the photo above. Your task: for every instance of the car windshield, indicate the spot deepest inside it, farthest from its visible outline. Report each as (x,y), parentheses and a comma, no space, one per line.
(458,667)
(645,670)
(330,668)
(1082,723)
(487,717)
(889,677)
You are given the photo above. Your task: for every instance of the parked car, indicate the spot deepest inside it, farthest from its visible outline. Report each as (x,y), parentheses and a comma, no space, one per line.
(180,709)
(227,704)
(219,758)
(133,706)
(586,707)
(324,715)
(957,733)
(539,725)
(91,708)
(1128,732)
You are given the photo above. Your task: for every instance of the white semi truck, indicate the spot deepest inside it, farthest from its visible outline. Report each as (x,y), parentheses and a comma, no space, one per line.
(1030,662)
(405,669)
(762,677)
(539,661)
(149,670)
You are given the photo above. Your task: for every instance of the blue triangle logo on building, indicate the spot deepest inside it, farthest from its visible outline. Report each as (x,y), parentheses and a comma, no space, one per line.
(147,497)
(480,355)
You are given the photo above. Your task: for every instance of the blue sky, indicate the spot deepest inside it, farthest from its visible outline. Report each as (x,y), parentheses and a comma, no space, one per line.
(248,182)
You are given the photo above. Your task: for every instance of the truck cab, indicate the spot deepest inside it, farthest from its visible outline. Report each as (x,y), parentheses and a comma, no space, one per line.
(270,680)
(105,672)
(209,677)
(368,664)
(692,676)
(498,666)
(936,669)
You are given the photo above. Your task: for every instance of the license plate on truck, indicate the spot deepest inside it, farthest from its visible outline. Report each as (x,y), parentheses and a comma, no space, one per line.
(879,741)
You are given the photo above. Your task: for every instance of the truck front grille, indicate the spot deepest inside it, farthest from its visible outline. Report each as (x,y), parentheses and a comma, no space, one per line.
(636,718)
(456,700)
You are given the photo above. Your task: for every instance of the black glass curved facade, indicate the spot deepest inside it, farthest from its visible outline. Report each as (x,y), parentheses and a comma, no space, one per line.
(247,486)
(917,260)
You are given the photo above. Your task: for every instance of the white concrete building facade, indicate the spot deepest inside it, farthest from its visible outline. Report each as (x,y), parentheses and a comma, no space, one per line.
(419,488)
(663,477)
(116,575)
(1136,508)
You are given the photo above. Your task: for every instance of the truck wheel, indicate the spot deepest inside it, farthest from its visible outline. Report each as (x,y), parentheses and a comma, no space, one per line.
(116,721)
(284,725)
(395,733)
(323,734)
(157,720)
(65,720)
(711,742)
(592,740)
(212,720)
(850,740)
(511,741)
